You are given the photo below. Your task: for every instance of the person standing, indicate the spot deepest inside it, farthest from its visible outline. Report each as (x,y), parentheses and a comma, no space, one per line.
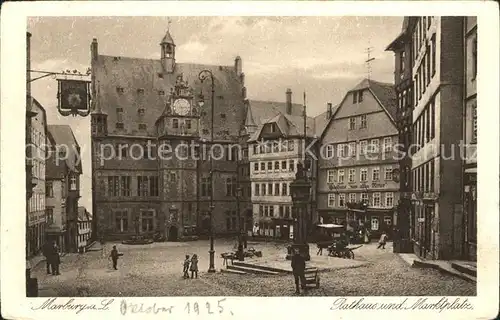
(47,253)
(382,241)
(55,259)
(194,266)
(186,267)
(298,267)
(114,257)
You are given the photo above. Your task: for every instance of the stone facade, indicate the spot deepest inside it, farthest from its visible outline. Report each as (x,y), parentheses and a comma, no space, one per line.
(36,218)
(437,50)
(470,137)
(403,84)
(63,187)
(276,147)
(135,103)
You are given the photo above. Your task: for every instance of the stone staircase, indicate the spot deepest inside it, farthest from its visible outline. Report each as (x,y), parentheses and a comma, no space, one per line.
(242,268)
(466,270)
(467,267)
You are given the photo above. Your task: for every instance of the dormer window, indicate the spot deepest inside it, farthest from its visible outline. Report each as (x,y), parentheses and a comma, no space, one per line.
(119,89)
(357,96)
(161,92)
(223,116)
(142,126)
(141,111)
(140,91)
(160,75)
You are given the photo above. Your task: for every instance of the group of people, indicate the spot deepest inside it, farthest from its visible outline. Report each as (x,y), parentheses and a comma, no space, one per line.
(190,265)
(52,258)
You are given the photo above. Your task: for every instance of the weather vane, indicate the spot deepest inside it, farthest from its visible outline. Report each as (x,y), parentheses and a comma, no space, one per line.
(169,21)
(368,61)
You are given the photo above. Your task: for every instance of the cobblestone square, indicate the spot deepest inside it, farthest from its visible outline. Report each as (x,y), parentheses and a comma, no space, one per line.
(156,270)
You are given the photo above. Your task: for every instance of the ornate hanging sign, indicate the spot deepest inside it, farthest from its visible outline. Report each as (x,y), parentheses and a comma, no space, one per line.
(73,96)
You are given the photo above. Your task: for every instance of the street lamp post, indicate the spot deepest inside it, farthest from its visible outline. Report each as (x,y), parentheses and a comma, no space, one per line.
(203,75)
(240,254)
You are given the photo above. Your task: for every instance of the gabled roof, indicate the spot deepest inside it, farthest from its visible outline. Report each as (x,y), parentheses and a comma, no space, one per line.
(83,214)
(62,138)
(384,93)
(289,125)
(133,83)
(262,111)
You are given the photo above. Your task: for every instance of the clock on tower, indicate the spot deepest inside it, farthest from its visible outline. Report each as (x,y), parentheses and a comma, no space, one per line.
(181,107)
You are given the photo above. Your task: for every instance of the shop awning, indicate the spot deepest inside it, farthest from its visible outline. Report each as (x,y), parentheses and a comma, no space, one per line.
(471,170)
(330,226)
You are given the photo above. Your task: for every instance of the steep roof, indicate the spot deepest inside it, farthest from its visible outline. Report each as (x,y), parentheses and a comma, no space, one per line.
(167,38)
(384,92)
(399,40)
(262,111)
(289,125)
(63,138)
(52,170)
(132,83)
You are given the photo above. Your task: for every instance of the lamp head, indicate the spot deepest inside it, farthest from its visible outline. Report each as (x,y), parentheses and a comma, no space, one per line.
(201,100)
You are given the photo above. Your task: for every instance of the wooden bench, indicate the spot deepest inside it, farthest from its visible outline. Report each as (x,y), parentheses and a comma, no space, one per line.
(312,277)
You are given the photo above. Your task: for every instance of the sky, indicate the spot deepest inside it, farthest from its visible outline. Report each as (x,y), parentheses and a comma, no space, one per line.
(323,56)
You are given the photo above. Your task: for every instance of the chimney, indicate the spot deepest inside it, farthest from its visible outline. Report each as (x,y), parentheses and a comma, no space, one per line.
(288,101)
(329,110)
(28,64)
(93,50)
(238,65)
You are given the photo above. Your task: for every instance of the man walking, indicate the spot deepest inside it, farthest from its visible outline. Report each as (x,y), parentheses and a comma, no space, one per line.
(382,241)
(55,259)
(298,267)
(114,257)
(47,253)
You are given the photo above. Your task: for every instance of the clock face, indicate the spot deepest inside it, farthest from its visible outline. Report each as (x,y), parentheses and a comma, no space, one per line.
(181,107)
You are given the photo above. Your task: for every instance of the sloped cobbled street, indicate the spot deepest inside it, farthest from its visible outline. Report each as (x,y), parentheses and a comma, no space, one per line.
(156,270)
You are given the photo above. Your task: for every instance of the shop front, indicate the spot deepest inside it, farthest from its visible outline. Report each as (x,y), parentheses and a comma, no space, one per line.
(283,228)
(470,217)
(425,225)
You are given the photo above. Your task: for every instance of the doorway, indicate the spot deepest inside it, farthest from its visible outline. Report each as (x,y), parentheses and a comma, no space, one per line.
(173,233)
(427,229)
(285,232)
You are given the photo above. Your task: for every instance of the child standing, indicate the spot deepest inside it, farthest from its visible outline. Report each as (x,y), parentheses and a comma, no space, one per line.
(186,267)
(194,266)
